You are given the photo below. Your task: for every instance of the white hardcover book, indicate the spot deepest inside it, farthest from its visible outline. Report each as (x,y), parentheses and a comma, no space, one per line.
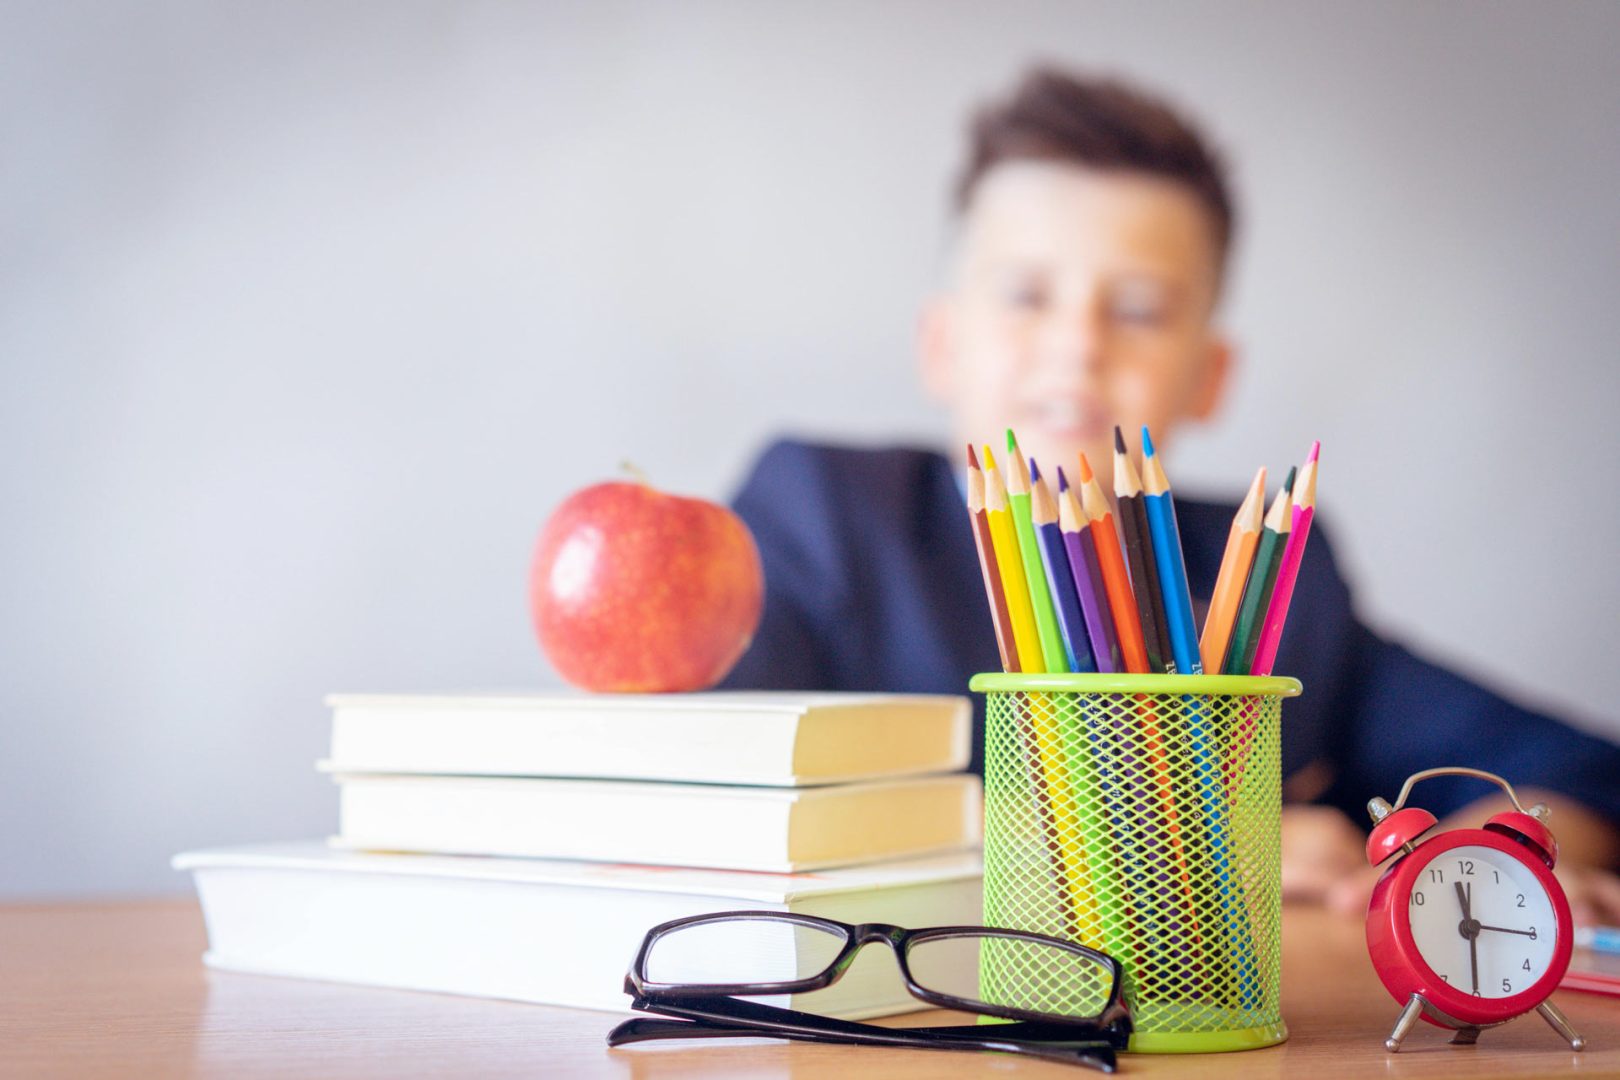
(736,828)
(546,931)
(719,737)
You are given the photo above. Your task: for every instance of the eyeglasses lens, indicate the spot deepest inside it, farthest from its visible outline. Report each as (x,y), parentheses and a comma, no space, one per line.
(1013,973)
(736,952)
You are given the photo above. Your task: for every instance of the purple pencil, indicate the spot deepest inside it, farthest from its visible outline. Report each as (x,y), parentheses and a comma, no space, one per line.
(1088,579)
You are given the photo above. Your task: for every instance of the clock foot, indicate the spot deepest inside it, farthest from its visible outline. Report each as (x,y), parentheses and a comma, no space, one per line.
(1409,1016)
(1466,1036)
(1560,1023)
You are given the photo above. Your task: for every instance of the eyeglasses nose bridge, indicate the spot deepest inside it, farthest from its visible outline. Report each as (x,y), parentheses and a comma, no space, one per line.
(876,931)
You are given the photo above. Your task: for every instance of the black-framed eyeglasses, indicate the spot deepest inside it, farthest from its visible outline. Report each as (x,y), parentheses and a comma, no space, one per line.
(696,969)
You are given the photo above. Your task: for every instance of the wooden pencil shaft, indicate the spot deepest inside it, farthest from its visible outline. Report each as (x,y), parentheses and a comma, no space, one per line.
(1161,513)
(1099,614)
(1121,601)
(1145,583)
(1235,563)
(1066,603)
(995,592)
(1256,599)
(1116,580)
(1282,593)
(1040,594)
(1009,563)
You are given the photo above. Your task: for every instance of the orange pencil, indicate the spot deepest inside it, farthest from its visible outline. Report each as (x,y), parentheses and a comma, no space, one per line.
(994,591)
(1234,573)
(1116,581)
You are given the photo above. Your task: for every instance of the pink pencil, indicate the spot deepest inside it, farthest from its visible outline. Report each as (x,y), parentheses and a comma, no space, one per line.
(1265,655)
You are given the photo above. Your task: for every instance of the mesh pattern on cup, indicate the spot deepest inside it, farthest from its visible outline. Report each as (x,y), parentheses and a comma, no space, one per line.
(1146,826)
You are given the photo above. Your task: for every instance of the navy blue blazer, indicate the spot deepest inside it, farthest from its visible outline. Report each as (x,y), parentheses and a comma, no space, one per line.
(872,583)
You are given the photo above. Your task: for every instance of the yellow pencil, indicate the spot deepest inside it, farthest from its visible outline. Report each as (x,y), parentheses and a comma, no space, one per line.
(1003,537)
(1029,549)
(1051,774)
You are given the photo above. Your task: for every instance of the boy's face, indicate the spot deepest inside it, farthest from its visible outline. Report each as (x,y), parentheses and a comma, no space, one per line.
(1079,299)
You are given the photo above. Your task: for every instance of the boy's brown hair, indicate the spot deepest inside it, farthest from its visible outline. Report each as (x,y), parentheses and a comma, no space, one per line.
(1053,115)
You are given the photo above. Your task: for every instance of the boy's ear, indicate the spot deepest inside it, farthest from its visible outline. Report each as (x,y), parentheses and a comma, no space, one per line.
(936,348)
(1216,376)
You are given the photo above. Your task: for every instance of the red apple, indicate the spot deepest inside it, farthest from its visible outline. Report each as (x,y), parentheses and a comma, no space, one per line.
(636,590)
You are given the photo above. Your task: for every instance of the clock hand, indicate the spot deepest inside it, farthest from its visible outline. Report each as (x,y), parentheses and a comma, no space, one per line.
(1466,898)
(1505,930)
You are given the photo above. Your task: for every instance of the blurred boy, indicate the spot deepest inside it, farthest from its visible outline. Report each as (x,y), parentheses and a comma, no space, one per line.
(1092,237)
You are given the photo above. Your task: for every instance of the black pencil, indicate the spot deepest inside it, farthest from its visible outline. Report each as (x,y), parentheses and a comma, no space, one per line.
(1139,553)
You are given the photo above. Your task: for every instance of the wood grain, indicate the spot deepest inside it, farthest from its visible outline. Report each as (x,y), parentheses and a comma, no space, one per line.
(103,990)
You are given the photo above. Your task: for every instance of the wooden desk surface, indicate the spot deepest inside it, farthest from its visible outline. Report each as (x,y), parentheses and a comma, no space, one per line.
(92,990)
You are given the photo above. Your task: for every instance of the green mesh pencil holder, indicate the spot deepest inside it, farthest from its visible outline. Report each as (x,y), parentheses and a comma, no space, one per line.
(1139,814)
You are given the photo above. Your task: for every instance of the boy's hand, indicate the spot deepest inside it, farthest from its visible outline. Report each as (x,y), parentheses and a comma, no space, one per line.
(1324,861)
(1594,895)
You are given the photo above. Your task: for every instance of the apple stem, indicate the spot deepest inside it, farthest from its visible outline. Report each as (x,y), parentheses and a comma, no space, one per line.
(635,471)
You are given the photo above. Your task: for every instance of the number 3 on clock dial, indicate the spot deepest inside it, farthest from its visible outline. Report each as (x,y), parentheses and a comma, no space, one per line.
(1503,942)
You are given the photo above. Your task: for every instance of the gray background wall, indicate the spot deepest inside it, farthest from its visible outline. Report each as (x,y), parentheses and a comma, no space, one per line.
(310,312)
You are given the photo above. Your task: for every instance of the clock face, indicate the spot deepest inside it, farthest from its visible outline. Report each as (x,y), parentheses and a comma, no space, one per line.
(1482,921)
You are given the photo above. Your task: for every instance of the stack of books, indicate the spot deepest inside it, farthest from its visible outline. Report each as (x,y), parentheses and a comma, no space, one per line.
(520,846)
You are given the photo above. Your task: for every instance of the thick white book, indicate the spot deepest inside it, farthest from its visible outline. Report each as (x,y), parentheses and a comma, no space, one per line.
(553,932)
(708,825)
(719,737)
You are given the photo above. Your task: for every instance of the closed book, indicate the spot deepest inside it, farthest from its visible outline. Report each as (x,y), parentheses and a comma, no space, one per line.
(708,825)
(553,932)
(720,737)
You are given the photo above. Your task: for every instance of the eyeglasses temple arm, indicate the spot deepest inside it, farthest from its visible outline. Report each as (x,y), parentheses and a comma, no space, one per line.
(713,1018)
(644,1028)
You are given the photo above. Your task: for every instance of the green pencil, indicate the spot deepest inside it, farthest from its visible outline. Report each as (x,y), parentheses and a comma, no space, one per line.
(1029,550)
(1262,578)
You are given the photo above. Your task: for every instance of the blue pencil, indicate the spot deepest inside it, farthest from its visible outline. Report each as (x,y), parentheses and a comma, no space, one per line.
(1604,939)
(1055,559)
(1161,514)
(1178,616)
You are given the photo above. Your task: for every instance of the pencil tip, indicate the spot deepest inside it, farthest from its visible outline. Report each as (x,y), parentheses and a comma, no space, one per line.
(1119,440)
(1288,484)
(1063,481)
(1147,442)
(1012,442)
(1316,448)
(1085,469)
(973,461)
(1034,472)
(989,458)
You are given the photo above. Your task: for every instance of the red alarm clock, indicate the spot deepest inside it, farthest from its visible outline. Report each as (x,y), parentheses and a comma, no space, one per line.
(1467,928)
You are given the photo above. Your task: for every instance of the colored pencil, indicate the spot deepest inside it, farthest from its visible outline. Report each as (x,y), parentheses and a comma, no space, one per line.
(1059,577)
(1241,541)
(1116,581)
(1088,580)
(1304,510)
(995,592)
(1161,513)
(1139,550)
(1157,909)
(1046,759)
(1211,840)
(1004,541)
(1040,594)
(1262,578)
